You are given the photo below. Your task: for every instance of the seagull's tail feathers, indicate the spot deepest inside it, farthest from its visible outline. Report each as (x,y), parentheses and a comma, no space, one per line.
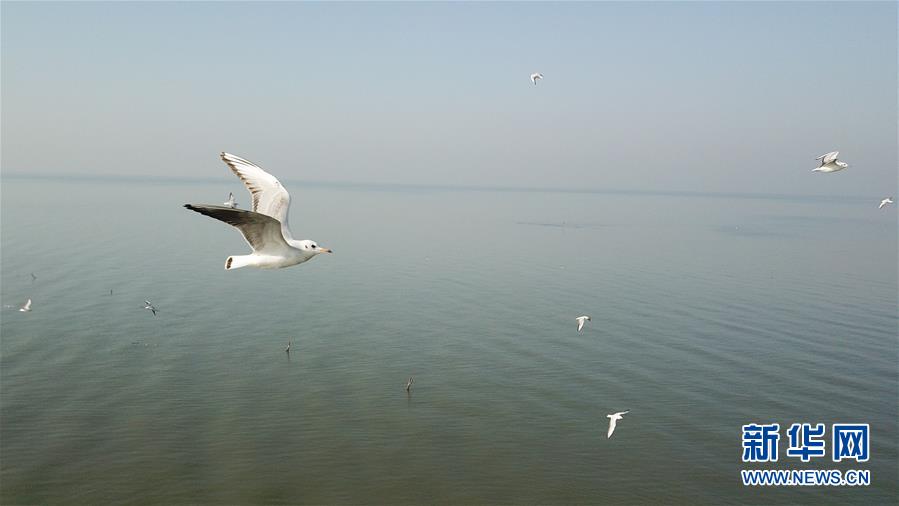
(238,261)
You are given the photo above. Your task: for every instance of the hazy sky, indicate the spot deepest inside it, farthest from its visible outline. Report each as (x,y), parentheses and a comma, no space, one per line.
(680,96)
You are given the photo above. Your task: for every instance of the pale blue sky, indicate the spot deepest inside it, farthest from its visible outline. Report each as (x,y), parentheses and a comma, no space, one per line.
(649,96)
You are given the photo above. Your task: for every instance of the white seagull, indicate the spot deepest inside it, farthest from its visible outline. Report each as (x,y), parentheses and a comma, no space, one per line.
(535,76)
(409,383)
(26,307)
(884,202)
(287,350)
(829,163)
(264,228)
(613,420)
(150,307)
(581,321)
(230,203)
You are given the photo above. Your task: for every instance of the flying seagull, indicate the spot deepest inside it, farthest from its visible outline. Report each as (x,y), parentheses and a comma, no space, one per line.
(829,163)
(884,202)
(264,228)
(535,76)
(409,383)
(581,321)
(287,350)
(26,307)
(230,203)
(150,307)
(613,420)
(33,277)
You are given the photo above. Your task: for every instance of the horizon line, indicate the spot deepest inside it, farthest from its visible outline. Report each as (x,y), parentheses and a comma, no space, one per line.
(387,186)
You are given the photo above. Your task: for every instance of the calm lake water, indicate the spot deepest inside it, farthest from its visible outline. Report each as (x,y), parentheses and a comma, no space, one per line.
(709,312)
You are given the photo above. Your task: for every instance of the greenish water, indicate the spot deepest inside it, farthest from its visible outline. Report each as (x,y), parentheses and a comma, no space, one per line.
(708,313)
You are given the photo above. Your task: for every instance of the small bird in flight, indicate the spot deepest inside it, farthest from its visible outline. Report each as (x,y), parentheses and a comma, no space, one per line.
(535,76)
(409,383)
(33,277)
(287,350)
(613,420)
(581,321)
(26,307)
(230,203)
(885,202)
(264,228)
(829,163)
(150,307)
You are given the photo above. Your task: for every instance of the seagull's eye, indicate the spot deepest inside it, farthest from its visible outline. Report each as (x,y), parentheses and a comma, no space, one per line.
(314,246)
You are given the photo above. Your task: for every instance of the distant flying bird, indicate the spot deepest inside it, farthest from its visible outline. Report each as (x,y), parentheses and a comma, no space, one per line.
(230,203)
(535,76)
(829,163)
(613,420)
(409,383)
(33,277)
(287,350)
(26,307)
(264,228)
(150,307)
(581,321)
(884,202)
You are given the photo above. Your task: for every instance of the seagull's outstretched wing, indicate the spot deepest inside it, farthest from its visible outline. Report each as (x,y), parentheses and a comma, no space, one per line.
(828,157)
(580,324)
(262,232)
(269,197)
(613,421)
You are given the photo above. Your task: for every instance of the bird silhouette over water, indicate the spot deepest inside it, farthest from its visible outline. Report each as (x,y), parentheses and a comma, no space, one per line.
(265,227)
(613,421)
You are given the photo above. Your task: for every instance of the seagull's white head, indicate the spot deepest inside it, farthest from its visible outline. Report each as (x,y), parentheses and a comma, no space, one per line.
(312,248)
